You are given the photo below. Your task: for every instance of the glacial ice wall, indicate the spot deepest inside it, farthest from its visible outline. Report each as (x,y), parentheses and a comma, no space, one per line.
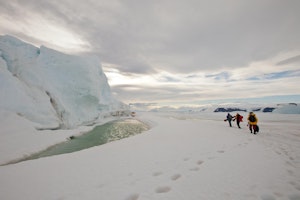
(50,88)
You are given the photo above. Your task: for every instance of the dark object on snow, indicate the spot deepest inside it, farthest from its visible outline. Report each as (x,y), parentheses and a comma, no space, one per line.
(257,109)
(268,109)
(133,114)
(72,137)
(256,129)
(292,104)
(229,110)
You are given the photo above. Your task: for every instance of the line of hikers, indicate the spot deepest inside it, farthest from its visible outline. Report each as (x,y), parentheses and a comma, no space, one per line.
(252,121)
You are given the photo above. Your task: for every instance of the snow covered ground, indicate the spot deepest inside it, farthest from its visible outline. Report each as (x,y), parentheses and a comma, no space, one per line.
(183,156)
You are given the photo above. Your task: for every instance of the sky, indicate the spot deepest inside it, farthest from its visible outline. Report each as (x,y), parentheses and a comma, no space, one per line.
(173,52)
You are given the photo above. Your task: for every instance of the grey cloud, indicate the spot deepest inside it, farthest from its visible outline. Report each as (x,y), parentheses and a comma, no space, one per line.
(143,104)
(219,76)
(176,36)
(168,79)
(292,60)
(282,74)
(134,93)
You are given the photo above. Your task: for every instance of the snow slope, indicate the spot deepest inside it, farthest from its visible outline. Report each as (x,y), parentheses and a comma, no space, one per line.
(181,157)
(50,88)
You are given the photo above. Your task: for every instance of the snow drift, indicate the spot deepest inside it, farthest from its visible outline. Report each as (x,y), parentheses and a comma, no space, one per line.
(52,89)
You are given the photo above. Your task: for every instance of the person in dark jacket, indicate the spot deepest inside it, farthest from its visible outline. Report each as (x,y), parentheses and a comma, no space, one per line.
(229,118)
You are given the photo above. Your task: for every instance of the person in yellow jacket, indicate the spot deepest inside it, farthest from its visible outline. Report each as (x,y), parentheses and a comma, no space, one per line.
(252,121)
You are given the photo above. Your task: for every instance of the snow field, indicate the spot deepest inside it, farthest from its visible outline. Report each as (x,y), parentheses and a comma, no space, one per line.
(191,156)
(186,158)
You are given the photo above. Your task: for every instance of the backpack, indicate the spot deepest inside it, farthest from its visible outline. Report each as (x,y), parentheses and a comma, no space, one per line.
(240,118)
(257,128)
(252,118)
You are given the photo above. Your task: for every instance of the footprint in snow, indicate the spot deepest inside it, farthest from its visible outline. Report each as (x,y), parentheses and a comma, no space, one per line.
(157,173)
(163,189)
(200,162)
(290,172)
(294,184)
(195,169)
(175,177)
(267,197)
(186,159)
(133,197)
(294,197)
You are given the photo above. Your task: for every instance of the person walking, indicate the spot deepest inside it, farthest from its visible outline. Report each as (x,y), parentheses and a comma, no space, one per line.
(252,121)
(229,118)
(238,118)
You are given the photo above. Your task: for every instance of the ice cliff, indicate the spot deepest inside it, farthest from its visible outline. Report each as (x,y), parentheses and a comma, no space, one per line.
(50,88)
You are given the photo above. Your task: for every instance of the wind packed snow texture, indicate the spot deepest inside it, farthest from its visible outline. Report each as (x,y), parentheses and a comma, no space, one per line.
(50,88)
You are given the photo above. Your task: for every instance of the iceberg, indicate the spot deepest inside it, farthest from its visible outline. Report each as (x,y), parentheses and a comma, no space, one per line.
(52,89)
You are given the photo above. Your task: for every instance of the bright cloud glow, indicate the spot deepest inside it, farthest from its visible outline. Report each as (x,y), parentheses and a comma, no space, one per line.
(48,32)
(258,79)
(116,78)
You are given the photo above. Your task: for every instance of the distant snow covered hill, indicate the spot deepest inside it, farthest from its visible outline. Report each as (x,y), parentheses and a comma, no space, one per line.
(286,108)
(290,108)
(52,89)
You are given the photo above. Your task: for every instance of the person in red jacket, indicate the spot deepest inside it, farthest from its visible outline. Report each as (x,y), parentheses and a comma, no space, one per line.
(238,118)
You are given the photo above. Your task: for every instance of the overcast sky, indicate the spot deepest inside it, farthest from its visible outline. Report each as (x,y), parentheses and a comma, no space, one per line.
(172,51)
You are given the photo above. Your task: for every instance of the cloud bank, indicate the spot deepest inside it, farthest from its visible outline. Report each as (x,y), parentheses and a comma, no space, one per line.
(172,50)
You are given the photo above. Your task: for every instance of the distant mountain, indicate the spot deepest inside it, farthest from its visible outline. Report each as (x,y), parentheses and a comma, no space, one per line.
(222,109)
(52,89)
(287,108)
(291,108)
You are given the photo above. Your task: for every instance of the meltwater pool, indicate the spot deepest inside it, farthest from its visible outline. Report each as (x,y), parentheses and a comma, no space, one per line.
(101,134)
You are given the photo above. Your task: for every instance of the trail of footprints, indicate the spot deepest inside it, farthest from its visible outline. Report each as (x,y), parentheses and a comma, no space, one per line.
(197,167)
(175,177)
(291,161)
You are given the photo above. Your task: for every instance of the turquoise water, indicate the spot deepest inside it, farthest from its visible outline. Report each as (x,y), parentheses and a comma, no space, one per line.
(102,134)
